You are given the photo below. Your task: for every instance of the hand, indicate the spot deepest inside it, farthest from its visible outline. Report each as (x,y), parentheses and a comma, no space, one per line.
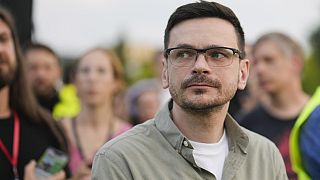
(83,173)
(29,172)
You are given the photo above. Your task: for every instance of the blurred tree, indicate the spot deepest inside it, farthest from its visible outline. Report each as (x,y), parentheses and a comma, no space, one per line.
(137,61)
(315,42)
(68,65)
(119,49)
(311,75)
(145,71)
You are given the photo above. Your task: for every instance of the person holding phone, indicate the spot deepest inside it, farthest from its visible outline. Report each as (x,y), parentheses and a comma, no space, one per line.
(98,79)
(26,130)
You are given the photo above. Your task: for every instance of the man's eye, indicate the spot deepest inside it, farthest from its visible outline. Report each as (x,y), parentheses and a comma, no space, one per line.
(219,54)
(216,55)
(4,38)
(184,54)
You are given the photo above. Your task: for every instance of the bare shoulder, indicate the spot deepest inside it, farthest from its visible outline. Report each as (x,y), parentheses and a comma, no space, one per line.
(67,125)
(121,123)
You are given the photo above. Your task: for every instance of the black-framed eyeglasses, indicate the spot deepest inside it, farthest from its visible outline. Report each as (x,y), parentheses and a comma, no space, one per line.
(215,56)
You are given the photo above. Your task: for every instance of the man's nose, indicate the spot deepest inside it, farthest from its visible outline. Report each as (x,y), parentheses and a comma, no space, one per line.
(41,72)
(201,65)
(259,67)
(2,47)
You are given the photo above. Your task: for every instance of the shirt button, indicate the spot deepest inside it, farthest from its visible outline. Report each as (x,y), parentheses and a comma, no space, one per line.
(185,143)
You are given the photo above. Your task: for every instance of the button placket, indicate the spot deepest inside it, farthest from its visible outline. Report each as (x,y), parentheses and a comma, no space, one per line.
(185,143)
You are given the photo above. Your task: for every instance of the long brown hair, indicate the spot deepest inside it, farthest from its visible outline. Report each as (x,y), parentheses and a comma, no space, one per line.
(117,67)
(21,97)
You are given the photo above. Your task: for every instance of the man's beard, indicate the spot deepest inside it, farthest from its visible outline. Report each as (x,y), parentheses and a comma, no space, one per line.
(222,97)
(6,78)
(43,90)
(7,70)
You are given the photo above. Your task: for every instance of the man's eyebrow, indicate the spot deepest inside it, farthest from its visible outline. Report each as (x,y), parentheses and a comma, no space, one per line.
(4,33)
(213,46)
(184,45)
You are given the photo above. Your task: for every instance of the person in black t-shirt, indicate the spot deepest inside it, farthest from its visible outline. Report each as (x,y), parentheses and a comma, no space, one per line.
(44,72)
(278,63)
(26,129)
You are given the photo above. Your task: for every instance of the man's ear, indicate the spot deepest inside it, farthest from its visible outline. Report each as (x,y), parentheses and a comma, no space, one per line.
(164,75)
(244,68)
(60,74)
(297,64)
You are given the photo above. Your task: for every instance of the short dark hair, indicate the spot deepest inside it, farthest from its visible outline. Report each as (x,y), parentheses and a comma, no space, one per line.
(203,9)
(39,46)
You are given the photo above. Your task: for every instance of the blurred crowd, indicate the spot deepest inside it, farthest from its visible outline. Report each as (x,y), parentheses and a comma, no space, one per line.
(97,104)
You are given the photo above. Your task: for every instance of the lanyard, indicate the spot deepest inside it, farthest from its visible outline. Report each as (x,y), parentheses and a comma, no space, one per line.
(16,137)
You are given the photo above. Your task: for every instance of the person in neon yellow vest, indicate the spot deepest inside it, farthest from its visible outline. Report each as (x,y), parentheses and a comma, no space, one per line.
(305,142)
(69,105)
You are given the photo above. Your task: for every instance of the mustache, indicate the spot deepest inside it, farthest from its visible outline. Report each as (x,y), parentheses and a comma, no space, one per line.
(200,79)
(3,61)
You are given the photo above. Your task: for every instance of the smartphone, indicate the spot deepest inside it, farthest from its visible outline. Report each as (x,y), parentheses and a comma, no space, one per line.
(51,162)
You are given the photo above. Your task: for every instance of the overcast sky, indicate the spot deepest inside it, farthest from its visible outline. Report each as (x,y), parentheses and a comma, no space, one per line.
(73,26)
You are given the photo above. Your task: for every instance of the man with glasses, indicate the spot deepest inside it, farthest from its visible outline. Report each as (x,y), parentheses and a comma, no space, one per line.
(193,137)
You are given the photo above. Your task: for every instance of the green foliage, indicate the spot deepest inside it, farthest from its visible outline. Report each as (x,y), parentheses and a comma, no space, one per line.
(138,71)
(119,49)
(146,71)
(133,70)
(311,74)
(315,42)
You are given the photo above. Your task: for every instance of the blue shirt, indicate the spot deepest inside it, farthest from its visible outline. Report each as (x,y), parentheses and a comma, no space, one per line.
(310,144)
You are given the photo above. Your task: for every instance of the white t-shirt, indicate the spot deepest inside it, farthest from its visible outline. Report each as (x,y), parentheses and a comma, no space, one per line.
(211,157)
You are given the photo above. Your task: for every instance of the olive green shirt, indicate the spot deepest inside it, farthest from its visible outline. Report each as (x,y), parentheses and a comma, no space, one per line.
(157,149)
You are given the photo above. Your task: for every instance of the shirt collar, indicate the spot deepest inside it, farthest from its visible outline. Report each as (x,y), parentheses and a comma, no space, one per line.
(167,128)
(164,123)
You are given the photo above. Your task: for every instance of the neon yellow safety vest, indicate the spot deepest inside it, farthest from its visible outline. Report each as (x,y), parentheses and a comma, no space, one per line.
(294,137)
(69,105)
